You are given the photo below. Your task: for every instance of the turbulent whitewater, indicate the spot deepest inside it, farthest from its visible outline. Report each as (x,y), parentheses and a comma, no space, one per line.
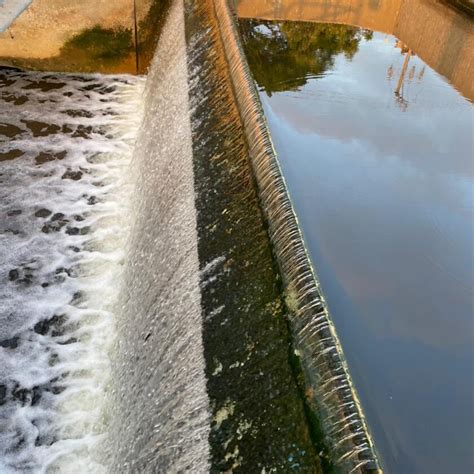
(65,148)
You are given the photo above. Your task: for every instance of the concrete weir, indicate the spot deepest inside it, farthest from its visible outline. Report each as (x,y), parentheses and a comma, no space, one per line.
(331,394)
(224,357)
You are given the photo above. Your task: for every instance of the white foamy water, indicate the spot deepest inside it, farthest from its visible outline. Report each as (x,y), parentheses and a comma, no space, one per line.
(65,147)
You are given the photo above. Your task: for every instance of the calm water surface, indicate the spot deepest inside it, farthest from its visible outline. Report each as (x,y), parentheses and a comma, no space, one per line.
(377,151)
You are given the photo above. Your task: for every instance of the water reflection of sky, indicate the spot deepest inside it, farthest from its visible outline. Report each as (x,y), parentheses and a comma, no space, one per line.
(384,193)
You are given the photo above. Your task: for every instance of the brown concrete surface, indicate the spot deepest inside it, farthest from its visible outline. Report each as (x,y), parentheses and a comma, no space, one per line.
(71,35)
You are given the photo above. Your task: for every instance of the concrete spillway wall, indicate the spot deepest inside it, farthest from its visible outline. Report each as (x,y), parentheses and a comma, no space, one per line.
(86,36)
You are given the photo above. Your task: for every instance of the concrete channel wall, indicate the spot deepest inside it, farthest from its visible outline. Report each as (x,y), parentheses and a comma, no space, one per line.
(85,36)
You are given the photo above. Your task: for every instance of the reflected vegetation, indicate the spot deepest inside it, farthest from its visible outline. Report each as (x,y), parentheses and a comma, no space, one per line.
(282,55)
(439,33)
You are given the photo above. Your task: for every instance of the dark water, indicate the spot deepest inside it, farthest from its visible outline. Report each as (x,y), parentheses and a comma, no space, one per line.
(377,151)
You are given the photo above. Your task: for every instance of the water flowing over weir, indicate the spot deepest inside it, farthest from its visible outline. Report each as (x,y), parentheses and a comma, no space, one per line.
(146,328)
(102,324)
(159,406)
(329,388)
(258,417)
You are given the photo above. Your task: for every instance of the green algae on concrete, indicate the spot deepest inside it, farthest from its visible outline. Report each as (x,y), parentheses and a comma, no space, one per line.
(149,31)
(96,49)
(104,44)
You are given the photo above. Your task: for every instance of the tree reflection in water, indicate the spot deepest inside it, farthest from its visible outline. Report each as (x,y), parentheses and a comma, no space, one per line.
(282,55)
